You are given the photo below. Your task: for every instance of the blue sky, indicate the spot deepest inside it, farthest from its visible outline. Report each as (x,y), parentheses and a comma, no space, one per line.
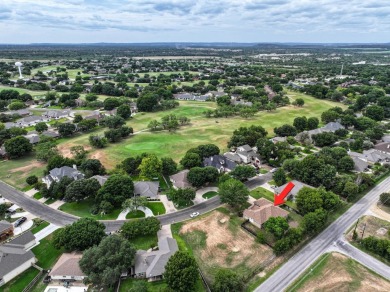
(127,21)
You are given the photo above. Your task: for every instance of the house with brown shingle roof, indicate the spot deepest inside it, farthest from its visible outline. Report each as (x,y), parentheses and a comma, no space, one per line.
(261,211)
(67,268)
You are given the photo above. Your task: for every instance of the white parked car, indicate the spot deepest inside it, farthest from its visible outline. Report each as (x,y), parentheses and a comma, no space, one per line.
(195,214)
(273,170)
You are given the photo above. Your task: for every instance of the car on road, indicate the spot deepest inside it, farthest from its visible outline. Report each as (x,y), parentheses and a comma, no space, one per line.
(273,170)
(20,221)
(195,214)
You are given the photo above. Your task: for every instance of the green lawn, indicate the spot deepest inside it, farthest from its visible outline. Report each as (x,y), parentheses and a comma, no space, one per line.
(209,195)
(50,201)
(200,131)
(83,209)
(46,253)
(145,242)
(38,196)
(262,193)
(39,227)
(135,214)
(156,207)
(20,282)
(157,286)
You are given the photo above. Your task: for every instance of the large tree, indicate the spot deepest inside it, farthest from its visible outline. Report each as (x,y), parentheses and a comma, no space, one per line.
(227,281)
(199,176)
(234,193)
(82,234)
(191,160)
(315,221)
(92,167)
(66,129)
(308,200)
(181,272)
(169,166)
(79,190)
(140,227)
(182,197)
(116,190)
(150,166)
(277,226)
(17,147)
(243,172)
(41,127)
(134,203)
(104,263)
(124,111)
(249,136)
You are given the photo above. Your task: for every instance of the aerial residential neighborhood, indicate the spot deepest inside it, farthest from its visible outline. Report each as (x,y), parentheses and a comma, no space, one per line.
(177,146)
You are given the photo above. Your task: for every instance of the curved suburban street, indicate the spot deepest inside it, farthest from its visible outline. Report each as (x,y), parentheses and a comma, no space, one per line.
(60,218)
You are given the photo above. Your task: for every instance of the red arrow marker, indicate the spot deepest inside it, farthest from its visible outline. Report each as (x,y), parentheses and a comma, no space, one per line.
(279,199)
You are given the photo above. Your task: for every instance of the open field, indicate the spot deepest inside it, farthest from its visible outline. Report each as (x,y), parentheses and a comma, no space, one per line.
(22,90)
(201,130)
(218,241)
(16,171)
(336,272)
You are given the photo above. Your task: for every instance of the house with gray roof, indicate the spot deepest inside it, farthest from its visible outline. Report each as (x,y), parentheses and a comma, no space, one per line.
(148,189)
(51,134)
(67,268)
(101,179)
(9,125)
(15,258)
(329,127)
(293,193)
(56,114)
(183,96)
(56,174)
(221,163)
(179,180)
(32,138)
(151,264)
(372,156)
(359,164)
(248,155)
(31,121)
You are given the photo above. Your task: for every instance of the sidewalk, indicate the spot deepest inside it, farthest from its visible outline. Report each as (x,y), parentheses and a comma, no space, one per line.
(169,207)
(199,193)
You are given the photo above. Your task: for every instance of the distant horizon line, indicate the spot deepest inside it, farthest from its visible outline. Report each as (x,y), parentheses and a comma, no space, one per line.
(200,42)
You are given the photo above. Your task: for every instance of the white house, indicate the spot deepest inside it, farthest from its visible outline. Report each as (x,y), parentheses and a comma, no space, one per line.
(15,258)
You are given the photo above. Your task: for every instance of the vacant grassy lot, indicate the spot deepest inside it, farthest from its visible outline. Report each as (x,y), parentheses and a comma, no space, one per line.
(83,209)
(20,282)
(372,226)
(46,253)
(336,272)
(217,241)
(16,171)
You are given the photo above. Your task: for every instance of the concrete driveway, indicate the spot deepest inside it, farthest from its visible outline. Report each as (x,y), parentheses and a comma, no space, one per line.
(147,211)
(199,193)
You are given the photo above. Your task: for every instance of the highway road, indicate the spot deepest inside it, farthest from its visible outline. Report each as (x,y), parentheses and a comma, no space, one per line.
(297,264)
(60,218)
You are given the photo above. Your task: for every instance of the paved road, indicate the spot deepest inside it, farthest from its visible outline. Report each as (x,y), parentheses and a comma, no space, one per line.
(344,247)
(60,218)
(34,207)
(293,268)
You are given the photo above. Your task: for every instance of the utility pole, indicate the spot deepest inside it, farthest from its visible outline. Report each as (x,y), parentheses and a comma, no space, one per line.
(364,228)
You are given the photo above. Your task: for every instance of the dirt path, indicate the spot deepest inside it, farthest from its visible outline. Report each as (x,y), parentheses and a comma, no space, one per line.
(380,213)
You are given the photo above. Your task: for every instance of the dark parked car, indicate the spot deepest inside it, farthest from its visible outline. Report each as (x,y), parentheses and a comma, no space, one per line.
(20,221)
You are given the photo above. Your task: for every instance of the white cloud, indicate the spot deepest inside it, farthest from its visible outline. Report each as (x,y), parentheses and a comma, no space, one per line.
(189,20)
